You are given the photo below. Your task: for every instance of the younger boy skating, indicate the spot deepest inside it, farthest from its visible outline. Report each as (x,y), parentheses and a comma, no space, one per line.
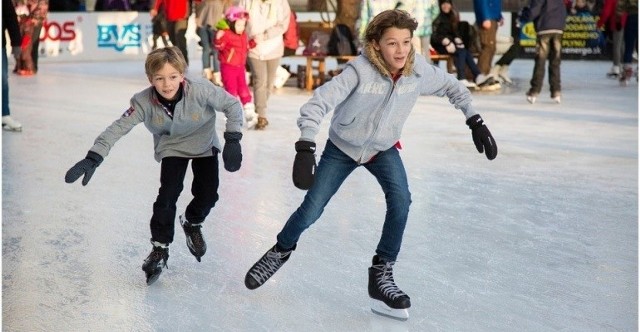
(181,115)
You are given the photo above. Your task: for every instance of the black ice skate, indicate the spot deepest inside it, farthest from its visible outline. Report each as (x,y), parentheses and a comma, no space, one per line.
(195,241)
(266,267)
(154,263)
(387,299)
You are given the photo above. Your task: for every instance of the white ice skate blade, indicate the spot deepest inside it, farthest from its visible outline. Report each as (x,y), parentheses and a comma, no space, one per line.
(380,308)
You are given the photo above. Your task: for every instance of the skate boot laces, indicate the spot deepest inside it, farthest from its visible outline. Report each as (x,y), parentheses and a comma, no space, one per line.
(159,255)
(268,265)
(384,279)
(194,233)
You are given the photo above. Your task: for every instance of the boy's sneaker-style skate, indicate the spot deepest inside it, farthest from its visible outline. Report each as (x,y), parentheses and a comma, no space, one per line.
(156,260)
(556,97)
(531,98)
(387,299)
(266,267)
(195,241)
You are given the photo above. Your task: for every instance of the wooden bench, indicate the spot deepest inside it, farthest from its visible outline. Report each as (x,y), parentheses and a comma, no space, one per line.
(319,62)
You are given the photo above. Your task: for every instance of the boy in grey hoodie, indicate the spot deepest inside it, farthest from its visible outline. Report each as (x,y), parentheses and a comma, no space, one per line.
(181,115)
(371,100)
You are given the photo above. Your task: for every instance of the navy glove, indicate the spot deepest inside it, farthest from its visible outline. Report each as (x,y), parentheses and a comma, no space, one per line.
(482,137)
(232,152)
(304,165)
(84,167)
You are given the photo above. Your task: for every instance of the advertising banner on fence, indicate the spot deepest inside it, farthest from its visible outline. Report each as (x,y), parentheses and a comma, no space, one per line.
(100,36)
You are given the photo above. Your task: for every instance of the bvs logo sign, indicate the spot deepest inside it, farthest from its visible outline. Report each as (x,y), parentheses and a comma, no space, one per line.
(111,36)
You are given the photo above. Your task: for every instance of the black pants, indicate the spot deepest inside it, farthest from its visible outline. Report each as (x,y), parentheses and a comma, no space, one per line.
(204,189)
(177,31)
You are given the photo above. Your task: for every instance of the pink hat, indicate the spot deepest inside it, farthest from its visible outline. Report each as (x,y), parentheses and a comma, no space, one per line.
(235,13)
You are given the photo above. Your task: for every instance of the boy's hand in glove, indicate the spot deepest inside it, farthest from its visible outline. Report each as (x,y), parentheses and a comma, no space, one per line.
(232,152)
(84,167)
(304,165)
(482,137)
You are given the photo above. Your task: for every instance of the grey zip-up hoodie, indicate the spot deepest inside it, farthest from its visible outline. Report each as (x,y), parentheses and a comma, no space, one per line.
(369,109)
(191,133)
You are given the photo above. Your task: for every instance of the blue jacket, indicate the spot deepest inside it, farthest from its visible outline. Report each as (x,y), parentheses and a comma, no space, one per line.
(370,109)
(487,10)
(548,16)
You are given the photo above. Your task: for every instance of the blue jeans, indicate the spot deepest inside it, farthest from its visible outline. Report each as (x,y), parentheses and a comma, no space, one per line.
(630,37)
(548,46)
(333,169)
(462,58)
(5,82)
(209,53)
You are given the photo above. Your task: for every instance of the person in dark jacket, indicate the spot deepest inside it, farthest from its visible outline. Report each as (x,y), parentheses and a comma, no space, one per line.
(446,39)
(548,18)
(10,25)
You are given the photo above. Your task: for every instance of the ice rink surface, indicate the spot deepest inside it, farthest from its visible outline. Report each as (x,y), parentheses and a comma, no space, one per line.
(543,238)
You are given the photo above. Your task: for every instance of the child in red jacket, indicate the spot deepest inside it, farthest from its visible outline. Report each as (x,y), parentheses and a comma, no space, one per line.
(233,46)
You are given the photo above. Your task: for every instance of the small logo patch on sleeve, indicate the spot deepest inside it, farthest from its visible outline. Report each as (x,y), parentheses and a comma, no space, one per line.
(128,112)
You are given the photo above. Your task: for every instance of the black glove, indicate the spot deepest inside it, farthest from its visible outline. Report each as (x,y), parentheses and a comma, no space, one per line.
(232,152)
(84,167)
(304,165)
(482,137)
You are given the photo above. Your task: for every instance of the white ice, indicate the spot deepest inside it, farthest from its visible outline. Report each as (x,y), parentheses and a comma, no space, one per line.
(543,238)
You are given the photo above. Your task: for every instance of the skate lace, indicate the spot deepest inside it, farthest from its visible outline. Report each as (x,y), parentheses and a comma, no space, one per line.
(267,266)
(159,254)
(195,235)
(385,281)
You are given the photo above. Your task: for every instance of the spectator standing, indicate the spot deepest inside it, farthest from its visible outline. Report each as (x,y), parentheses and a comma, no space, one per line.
(549,17)
(32,14)
(11,27)
(447,40)
(269,21)
(488,17)
(208,13)
(181,115)
(630,9)
(159,29)
(614,24)
(430,10)
(176,13)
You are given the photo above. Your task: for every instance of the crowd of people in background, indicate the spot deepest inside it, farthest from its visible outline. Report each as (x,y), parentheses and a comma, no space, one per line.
(439,31)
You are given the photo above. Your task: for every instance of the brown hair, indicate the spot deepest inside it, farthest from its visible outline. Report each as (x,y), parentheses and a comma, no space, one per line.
(393,18)
(161,56)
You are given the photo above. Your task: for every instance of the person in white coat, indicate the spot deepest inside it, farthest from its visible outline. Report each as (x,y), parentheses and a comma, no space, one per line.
(268,21)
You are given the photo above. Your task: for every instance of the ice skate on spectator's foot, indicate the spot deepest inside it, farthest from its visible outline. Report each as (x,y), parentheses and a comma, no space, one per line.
(614,73)
(195,240)
(503,74)
(8,123)
(386,298)
(262,123)
(487,83)
(531,98)
(469,85)
(250,115)
(626,75)
(556,97)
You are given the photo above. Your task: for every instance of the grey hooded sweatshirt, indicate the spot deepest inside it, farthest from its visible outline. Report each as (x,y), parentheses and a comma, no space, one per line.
(191,133)
(370,109)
